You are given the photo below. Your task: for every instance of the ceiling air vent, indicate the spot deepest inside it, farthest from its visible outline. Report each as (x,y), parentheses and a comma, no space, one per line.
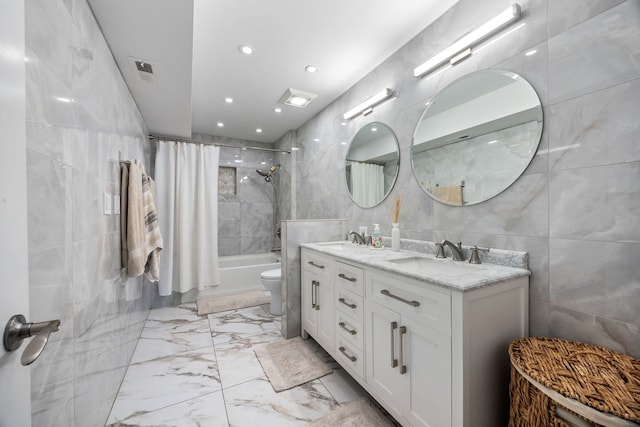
(145,70)
(296,98)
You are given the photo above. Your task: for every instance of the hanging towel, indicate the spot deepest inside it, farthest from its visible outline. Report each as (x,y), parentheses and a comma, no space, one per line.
(143,241)
(452,194)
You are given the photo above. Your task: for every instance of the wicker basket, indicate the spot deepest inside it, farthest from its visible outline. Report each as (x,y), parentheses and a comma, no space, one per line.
(594,382)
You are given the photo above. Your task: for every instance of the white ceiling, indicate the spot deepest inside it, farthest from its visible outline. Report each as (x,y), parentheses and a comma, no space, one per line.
(192,45)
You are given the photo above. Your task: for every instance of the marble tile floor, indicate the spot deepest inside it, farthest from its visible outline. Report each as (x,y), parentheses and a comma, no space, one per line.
(190,370)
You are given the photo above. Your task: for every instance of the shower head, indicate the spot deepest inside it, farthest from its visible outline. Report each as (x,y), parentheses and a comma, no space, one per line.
(267,173)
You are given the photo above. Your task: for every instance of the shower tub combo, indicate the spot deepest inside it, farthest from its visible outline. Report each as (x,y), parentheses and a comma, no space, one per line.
(241,273)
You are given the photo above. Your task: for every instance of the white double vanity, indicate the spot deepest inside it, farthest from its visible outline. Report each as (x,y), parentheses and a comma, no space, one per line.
(426,337)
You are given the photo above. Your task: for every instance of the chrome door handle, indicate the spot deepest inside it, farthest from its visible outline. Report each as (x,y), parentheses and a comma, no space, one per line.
(345,277)
(17,329)
(343,301)
(403,367)
(406,301)
(394,361)
(352,358)
(343,326)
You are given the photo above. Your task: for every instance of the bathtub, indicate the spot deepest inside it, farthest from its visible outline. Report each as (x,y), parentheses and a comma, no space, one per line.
(241,273)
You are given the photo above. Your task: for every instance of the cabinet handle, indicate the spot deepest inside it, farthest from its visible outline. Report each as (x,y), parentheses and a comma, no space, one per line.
(317,292)
(394,361)
(314,294)
(406,301)
(316,265)
(351,331)
(403,367)
(345,277)
(342,300)
(352,358)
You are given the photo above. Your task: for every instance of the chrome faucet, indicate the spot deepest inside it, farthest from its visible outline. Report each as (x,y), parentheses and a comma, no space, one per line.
(357,238)
(456,249)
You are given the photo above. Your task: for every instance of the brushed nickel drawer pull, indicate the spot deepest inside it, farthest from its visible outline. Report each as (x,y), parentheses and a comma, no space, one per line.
(352,358)
(316,265)
(351,331)
(345,277)
(313,293)
(406,301)
(342,300)
(394,361)
(403,367)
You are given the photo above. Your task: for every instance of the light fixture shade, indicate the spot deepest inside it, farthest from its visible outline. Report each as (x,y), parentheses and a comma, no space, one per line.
(482,32)
(367,106)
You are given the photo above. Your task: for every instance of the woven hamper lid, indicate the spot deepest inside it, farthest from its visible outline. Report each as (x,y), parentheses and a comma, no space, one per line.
(595,376)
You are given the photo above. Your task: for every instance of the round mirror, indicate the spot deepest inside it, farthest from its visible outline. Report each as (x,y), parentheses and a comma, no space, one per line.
(476,137)
(372,164)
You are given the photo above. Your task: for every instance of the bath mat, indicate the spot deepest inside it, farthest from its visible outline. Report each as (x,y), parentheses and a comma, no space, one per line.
(354,414)
(216,304)
(290,363)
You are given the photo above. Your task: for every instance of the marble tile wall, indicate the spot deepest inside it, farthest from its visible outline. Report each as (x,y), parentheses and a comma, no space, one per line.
(81,119)
(575,210)
(246,219)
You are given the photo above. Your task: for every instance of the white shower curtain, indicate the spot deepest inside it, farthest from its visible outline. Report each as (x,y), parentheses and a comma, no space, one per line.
(367,183)
(187,188)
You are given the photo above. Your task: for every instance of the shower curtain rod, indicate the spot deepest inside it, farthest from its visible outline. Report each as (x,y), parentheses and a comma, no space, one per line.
(217,144)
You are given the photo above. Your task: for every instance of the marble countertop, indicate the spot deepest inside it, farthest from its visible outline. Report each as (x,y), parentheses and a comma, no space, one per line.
(454,275)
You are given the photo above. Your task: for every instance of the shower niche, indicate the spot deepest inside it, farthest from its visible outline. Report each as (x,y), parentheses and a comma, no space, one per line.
(227,181)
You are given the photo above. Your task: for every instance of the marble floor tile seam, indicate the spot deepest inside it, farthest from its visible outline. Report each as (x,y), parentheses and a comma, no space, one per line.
(178,353)
(168,406)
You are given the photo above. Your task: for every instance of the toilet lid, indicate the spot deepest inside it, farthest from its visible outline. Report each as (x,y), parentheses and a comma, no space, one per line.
(271,274)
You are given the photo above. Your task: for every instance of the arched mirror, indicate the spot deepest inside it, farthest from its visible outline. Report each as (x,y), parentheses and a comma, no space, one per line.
(372,164)
(476,137)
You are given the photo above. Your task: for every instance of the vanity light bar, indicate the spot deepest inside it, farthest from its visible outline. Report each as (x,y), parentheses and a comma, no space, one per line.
(367,106)
(485,30)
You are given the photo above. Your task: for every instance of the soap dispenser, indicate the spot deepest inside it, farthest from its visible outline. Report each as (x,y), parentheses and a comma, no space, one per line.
(376,237)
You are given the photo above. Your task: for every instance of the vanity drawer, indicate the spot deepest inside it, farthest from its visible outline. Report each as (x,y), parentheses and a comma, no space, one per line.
(349,303)
(349,277)
(349,357)
(427,304)
(316,263)
(350,330)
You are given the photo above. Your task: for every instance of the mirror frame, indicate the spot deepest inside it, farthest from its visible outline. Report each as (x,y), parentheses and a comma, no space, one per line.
(397,171)
(455,195)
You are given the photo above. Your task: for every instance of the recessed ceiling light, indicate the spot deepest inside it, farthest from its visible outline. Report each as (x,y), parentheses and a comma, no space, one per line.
(220,124)
(228,100)
(311,68)
(246,49)
(278,110)
(258,130)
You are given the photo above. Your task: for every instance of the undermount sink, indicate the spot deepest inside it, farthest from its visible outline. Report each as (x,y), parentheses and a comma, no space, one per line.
(437,266)
(338,245)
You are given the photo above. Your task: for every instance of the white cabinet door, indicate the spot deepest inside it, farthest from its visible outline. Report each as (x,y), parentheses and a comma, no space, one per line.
(326,311)
(382,353)
(426,356)
(308,299)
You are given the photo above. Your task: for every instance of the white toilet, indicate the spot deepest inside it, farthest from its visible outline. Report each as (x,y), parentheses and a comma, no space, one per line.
(271,279)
